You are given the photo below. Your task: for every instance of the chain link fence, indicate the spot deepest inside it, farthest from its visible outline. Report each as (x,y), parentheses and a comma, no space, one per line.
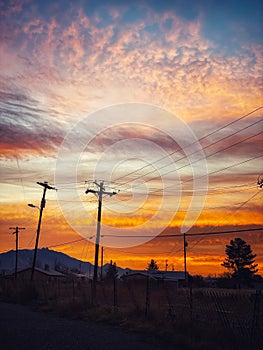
(226,317)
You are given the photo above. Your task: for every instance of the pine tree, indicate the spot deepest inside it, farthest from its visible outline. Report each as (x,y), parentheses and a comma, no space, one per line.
(112,272)
(152,266)
(240,260)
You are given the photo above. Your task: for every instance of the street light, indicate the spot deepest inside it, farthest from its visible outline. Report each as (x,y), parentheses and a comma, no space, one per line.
(33,206)
(37,237)
(41,208)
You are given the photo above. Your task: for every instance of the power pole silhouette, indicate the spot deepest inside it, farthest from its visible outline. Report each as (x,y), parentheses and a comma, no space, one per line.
(42,206)
(99,193)
(185,246)
(101,263)
(17,229)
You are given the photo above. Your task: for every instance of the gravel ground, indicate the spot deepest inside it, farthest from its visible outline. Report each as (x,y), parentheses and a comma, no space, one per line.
(23,328)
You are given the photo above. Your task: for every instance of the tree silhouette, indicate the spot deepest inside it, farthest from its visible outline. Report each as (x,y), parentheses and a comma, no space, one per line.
(240,260)
(112,272)
(152,266)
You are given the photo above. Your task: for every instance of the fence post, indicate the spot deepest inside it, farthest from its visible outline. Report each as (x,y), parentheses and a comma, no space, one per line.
(115,303)
(58,289)
(147,299)
(254,322)
(171,311)
(73,290)
(92,301)
(191,301)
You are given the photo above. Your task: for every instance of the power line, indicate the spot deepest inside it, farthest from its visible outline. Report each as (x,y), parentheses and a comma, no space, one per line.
(218,171)
(85,239)
(213,228)
(187,234)
(211,173)
(191,144)
(196,161)
(188,164)
(66,243)
(177,211)
(215,189)
(240,206)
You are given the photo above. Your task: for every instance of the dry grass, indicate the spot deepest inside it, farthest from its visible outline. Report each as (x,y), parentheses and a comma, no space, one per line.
(198,319)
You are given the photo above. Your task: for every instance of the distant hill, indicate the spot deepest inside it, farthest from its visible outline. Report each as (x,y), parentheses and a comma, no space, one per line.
(55,261)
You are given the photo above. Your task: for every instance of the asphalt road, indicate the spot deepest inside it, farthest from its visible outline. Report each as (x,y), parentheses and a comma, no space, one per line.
(22,328)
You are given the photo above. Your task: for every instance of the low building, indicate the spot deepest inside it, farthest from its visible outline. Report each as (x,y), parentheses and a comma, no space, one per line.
(170,276)
(167,276)
(136,276)
(45,275)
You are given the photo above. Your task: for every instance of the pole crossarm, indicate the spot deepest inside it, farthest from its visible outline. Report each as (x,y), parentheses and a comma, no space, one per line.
(16,229)
(46,185)
(101,190)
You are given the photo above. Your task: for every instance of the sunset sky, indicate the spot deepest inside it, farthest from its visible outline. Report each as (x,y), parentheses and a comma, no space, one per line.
(161,100)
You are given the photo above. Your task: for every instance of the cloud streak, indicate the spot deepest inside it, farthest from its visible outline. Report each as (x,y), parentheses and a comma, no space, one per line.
(60,63)
(27,128)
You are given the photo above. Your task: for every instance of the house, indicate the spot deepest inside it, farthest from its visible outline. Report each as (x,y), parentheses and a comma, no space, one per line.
(45,275)
(170,276)
(167,276)
(136,276)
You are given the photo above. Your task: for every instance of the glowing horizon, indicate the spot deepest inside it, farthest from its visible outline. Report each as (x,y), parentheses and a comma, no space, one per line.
(71,78)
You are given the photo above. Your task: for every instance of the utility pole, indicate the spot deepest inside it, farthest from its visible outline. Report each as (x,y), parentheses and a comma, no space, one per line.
(101,263)
(99,193)
(185,246)
(42,206)
(166,265)
(16,232)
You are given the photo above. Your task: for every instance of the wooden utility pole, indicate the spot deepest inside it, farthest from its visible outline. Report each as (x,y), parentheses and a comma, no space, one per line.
(101,263)
(17,229)
(42,206)
(166,265)
(99,193)
(185,246)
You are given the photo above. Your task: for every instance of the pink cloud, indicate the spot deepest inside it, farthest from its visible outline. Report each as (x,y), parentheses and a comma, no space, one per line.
(79,64)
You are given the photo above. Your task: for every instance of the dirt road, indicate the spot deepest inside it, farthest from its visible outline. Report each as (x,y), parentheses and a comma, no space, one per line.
(21,328)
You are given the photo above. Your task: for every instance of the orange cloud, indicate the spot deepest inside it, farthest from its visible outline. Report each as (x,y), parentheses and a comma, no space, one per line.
(56,69)
(178,67)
